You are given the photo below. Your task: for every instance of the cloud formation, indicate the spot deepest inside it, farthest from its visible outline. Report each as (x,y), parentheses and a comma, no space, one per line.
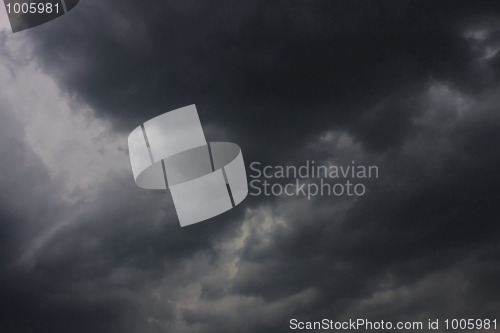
(410,87)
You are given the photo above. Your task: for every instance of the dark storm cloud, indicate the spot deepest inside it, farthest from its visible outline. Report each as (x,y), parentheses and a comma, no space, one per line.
(414,84)
(95,269)
(432,211)
(252,67)
(25,182)
(29,203)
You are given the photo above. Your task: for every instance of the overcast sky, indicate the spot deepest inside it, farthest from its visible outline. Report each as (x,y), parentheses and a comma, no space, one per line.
(412,87)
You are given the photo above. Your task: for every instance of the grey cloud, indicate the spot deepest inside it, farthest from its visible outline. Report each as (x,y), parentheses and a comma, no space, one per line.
(400,85)
(247,65)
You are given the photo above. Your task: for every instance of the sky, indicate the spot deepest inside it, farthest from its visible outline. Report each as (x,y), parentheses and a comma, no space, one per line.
(411,87)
